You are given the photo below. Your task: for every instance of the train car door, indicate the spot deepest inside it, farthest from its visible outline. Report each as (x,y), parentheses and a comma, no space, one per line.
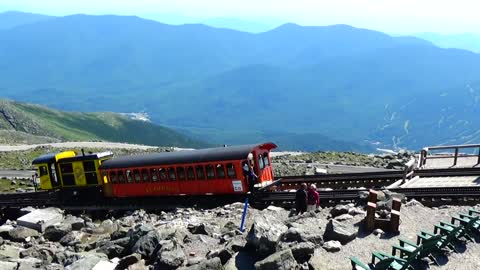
(44,176)
(55,180)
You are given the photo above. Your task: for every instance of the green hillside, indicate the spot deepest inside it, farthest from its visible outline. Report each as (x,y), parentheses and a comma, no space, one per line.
(24,122)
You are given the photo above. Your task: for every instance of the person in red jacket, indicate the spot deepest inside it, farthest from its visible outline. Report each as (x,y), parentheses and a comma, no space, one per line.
(313,200)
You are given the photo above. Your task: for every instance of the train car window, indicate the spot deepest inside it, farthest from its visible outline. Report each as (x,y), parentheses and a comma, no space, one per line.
(171,174)
(153,175)
(260,162)
(231,171)
(89,166)
(121,177)
(66,168)
(181,173)
(220,171)
(210,172)
(91,178)
(145,177)
(113,177)
(200,172)
(129,176)
(163,174)
(190,173)
(136,173)
(43,170)
(265,159)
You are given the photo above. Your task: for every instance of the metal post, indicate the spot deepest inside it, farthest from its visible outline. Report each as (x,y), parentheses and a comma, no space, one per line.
(456,156)
(245,208)
(478,161)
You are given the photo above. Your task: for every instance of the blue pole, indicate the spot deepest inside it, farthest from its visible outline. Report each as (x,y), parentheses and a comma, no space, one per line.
(245,208)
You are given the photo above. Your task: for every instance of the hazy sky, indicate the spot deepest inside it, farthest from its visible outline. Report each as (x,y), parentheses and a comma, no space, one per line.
(392,16)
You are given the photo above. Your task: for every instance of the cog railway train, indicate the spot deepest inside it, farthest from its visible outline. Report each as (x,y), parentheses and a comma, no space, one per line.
(208,171)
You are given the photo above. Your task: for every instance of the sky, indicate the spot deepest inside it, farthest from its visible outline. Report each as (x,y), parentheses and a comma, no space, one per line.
(391,16)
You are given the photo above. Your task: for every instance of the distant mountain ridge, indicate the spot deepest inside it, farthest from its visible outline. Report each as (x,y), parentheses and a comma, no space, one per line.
(11,19)
(31,123)
(466,41)
(353,88)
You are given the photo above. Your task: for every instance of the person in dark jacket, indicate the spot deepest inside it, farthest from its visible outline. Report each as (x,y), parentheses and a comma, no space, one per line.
(250,176)
(301,199)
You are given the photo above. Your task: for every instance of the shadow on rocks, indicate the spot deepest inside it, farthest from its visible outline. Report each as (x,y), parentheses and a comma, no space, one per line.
(244,261)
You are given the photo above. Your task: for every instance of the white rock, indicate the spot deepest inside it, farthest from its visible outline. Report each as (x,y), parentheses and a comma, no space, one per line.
(8,265)
(344,217)
(378,232)
(41,218)
(320,171)
(332,246)
(104,265)
(355,211)
(275,208)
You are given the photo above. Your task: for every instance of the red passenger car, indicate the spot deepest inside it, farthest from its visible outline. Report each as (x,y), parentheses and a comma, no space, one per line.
(189,172)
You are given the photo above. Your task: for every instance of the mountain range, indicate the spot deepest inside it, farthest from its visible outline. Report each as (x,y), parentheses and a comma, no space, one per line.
(324,87)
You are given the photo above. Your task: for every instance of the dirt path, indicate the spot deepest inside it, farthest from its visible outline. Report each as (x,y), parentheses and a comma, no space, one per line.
(107,145)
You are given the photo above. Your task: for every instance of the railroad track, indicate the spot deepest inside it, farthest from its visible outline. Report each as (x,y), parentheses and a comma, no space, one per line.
(335,196)
(341,184)
(369,179)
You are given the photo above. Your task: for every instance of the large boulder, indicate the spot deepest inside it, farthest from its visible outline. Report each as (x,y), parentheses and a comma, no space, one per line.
(340,231)
(339,209)
(212,264)
(87,262)
(55,232)
(147,245)
(108,226)
(112,250)
(136,233)
(40,219)
(5,230)
(223,253)
(198,229)
(72,238)
(170,255)
(303,251)
(28,263)
(281,260)
(8,265)
(76,223)
(126,261)
(318,262)
(265,234)
(8,251)
(332,246)
(21,234)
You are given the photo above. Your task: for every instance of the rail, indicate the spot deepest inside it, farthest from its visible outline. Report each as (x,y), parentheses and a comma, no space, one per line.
(424,153)
(353,194)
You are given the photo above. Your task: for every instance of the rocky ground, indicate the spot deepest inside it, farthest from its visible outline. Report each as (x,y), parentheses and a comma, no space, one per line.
(328,162)
(190,238)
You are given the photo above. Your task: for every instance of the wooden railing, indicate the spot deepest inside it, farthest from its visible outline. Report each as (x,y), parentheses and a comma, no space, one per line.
(426,153)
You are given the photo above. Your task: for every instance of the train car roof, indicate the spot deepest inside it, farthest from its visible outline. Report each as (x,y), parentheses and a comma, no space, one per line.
(46,158)
(89,156)
(186,156)
(52,157)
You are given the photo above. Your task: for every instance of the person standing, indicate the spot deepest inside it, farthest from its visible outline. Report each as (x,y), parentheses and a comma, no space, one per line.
(301,199)
(250,175)
(313,198)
